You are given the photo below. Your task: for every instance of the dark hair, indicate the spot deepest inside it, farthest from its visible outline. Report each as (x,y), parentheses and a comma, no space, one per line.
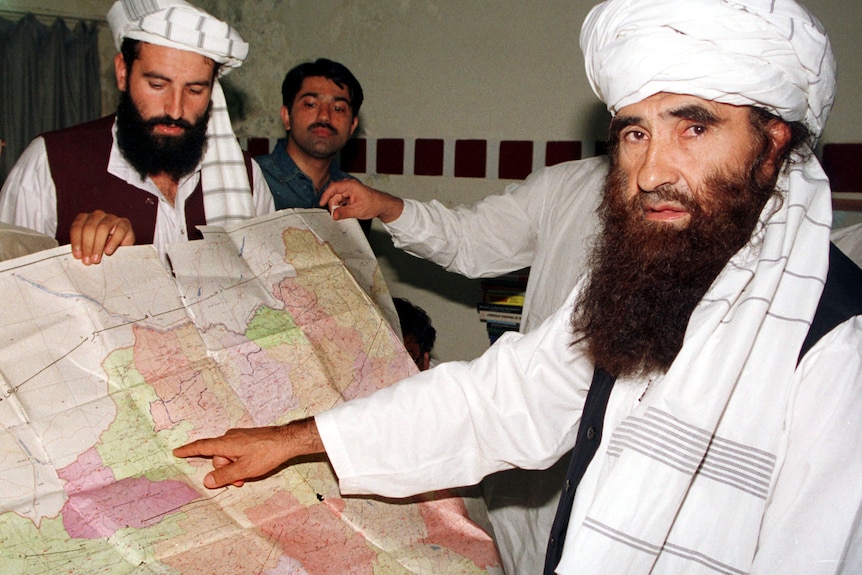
(328,69)
(416,322)
(131,50)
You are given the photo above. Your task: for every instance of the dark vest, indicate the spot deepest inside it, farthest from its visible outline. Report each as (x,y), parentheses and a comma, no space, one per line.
(841,300)
(78,159)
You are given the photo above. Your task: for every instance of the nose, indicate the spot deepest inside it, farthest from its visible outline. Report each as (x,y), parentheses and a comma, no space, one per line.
(658,166)
(174,104)
(324,112)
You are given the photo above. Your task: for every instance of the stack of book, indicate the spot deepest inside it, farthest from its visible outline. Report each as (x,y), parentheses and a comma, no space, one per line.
(502,303)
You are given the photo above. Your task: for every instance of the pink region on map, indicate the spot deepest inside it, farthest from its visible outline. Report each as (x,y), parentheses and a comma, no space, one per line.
(179,383)
(85,472)
(257,366)
(98,505)
(338,343)
(449,526)
(378,372)
(315,536)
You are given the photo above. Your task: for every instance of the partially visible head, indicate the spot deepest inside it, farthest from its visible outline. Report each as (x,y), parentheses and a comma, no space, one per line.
(332,71)
(418,333)
(170,55)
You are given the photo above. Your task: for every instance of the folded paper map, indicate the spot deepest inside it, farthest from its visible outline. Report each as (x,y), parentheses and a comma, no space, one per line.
(104,369)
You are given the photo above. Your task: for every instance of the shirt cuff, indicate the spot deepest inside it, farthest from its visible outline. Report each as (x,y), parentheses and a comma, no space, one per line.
(336,451)
(405,222)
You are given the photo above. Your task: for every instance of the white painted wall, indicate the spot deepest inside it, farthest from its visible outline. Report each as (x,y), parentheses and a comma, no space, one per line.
(505,69)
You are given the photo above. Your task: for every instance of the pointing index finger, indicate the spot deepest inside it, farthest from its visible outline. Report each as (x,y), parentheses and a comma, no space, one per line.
(199,448)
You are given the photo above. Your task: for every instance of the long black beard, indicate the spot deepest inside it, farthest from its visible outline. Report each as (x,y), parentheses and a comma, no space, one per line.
(151,154)
(646,277)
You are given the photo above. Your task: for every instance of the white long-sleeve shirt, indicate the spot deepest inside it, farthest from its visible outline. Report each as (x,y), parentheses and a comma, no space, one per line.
(395,443)
(547,222)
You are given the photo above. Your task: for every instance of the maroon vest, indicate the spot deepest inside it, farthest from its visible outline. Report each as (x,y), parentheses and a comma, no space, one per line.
(78,159)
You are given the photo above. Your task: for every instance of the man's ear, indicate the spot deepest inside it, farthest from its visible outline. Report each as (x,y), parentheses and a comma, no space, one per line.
(354,124)
(121,72)
(779,134)
(285,117)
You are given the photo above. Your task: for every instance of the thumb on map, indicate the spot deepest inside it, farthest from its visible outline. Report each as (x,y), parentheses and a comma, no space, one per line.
(215,479)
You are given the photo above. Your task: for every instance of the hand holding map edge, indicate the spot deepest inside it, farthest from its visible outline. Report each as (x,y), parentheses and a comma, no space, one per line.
(353,199)
(96,233)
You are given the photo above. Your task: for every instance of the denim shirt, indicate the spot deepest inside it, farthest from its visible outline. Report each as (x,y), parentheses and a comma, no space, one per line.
(290,187)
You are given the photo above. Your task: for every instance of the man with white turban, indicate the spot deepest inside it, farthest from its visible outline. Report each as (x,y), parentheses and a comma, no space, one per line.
(167,162)
(707,372)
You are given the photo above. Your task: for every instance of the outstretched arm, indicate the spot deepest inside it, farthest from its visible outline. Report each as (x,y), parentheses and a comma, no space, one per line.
(352,199)
(242,454)
(96,233)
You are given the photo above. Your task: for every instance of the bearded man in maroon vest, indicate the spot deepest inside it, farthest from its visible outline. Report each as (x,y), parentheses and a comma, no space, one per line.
(165,163)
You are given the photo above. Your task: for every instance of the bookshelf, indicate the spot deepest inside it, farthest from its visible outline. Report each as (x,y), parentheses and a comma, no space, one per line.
(502,302)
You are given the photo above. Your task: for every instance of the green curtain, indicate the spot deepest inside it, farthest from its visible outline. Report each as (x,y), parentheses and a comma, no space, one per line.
(49,79)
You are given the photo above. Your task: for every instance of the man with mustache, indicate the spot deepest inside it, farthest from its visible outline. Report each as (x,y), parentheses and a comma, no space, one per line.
(166,163)
(707,371)
(320,111)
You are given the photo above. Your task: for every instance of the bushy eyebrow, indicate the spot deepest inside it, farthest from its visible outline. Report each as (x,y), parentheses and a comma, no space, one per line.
(692,112)
(695,113)
(318,96)
(619,123)
(162,77)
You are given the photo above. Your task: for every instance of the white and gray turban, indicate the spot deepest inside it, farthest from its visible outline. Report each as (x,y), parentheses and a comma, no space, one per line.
(177,24)
(768,53)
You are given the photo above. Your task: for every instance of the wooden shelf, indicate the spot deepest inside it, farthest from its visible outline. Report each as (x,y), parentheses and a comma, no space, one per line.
(847,201)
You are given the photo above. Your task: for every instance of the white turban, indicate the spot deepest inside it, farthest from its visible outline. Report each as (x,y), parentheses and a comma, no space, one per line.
(177,24)
(768,53)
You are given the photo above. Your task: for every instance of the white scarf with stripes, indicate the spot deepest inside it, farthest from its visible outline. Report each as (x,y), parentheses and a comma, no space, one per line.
(691,469)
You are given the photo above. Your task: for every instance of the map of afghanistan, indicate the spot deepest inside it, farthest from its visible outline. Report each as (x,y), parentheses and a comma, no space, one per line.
(104,369)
